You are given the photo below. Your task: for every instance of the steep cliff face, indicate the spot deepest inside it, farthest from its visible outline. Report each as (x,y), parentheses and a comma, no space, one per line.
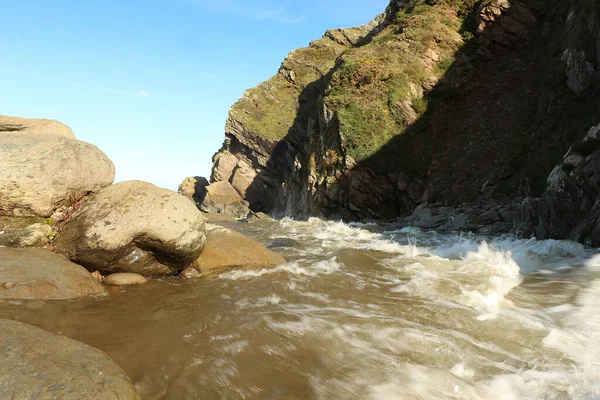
(442,101)
(267,127)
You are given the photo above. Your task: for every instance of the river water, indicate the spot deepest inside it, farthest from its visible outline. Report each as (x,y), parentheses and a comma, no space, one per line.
(358,312)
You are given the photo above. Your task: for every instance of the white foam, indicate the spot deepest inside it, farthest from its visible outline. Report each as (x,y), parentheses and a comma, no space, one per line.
(322,267)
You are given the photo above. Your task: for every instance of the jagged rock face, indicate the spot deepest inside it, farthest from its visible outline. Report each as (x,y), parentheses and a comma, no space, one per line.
(450,102)
(266,128)
(504,25)
(570,206)
(582,65)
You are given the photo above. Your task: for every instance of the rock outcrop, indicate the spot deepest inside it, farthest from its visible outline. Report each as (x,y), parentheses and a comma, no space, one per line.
(227,249)
(42,275)
(41,172)
(222,198)
(193,187)
(503,26)
(36,364)
(27,126)
(134,227)
(570,206)
(266,128)
(458,104)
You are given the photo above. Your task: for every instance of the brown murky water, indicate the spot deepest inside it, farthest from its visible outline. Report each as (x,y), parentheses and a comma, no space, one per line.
(359,312)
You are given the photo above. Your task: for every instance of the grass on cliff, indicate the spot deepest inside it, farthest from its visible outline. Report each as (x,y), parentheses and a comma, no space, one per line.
(379,89)
(270,110)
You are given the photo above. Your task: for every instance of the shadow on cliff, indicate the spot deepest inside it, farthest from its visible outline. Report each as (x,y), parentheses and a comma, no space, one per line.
(495,125)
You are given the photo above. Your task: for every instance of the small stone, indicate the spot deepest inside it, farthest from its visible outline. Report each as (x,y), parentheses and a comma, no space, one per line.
(190,273)
(98,276)
(124,279)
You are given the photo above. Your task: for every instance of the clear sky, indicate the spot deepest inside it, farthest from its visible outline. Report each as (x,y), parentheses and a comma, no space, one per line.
(150,82)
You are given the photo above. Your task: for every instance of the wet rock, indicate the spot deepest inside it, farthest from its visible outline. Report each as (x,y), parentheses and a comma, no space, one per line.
(259,216)
(226,249)
(190,273)
(42,275)
(40,173)
(124,279)
(222,198)
(35,127)
(98,276)
(285,243)
(36,364)
(214,218)
(36,235)
(134,227)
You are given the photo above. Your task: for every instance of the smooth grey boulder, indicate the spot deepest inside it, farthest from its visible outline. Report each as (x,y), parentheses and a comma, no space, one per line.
(40,173)
(38,274)
(134,227)
(36,364)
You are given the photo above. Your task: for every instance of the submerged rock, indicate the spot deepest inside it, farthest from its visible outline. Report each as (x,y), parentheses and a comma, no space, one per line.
(135,227)
(40,173)
(124,279)
(285,243)
(42,275)
(227,249)
(36,364)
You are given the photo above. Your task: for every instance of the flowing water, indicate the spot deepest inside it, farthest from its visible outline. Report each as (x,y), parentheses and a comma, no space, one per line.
(358,312)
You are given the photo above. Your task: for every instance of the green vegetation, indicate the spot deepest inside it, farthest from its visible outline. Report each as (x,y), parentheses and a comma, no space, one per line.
(270,110)
(13,223)
(373,87)
(419,96)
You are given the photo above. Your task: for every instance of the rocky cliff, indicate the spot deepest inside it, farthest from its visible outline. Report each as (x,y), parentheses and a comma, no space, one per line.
(449,102)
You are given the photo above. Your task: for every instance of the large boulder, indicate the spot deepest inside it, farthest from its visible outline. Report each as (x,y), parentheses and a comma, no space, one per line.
(135,227)
(36,364)
(29,126)
(42,275)
(222,198)
(39,173)
(227,249)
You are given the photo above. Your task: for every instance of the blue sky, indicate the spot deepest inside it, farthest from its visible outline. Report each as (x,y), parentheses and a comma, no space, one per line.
(150,82)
